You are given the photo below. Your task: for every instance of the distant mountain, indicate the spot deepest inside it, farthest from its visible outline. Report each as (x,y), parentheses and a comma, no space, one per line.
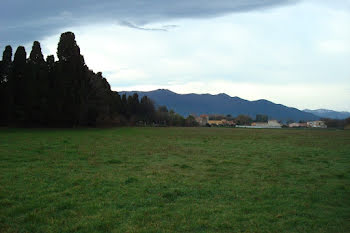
(325,113)
(222,104)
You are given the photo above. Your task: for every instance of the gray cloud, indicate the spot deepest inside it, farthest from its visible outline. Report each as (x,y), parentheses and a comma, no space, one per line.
(131,25)
(23,20)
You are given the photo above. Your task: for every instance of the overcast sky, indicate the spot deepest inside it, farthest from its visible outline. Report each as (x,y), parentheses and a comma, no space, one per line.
(295,53)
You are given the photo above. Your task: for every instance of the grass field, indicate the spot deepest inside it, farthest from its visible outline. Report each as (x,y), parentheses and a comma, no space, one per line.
(174,180)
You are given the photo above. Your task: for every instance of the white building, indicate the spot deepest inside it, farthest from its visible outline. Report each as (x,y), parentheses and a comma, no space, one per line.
(274,124)
(271,124)
(316,124)
(297,125)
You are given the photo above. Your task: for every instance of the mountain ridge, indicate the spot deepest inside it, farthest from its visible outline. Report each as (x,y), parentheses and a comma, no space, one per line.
(222,103)
(326,113)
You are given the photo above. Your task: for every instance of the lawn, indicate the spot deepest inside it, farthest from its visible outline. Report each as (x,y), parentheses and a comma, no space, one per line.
(174,180)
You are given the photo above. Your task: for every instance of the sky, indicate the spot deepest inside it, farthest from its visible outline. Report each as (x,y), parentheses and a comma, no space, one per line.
(295,53)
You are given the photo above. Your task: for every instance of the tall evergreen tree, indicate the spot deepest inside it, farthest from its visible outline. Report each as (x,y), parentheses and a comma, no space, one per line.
(5,65)
(5,76)
(147,110)
(18,86)
(50,62)
(36,56)
(35,92)
(72,82)
(124,104)
(38,87)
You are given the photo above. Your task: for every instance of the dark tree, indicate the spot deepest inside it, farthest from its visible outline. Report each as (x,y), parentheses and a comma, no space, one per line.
(36,56)
(163,109)
(261,118)
(38,87)
(147,110)
(18,87)
(7,54)
(243,120)
(68,50)
(5,64)
(133,112)
(5,76)
(35,92)
(191,121)
(50,62)
(102,102)
(72,83)
(20,58)
(336,123)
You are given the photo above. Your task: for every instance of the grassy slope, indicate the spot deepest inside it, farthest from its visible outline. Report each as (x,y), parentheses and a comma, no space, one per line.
(174,180)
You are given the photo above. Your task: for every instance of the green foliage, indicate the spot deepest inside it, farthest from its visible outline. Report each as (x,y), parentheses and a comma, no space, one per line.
(174,180)
(7,54)
(5,76)
(243,120)
(190,121)
(36,55)
(261,118)
(336,123)
(68,50)
(35,92)
(165,117)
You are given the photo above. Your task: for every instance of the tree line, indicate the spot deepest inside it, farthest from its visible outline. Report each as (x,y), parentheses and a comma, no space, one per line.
(38,92)
(337,123)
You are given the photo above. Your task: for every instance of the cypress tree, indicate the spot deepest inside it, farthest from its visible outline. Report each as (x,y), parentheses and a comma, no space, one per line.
(7,55)
(36,56)
(6,63)
(72,81)
(38,87)
(35,92)
(18,86)
(5,76)
(50,61)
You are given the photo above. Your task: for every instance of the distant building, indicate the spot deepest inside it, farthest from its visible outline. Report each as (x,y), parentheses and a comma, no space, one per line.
(222,122)
(259,124)
(271,124)
(274,124)
(216,122)
(297,125)
(230,123)
(316,124)
(202,120)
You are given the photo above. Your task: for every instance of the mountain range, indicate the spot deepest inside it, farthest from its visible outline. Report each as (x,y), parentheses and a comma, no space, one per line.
(186,104)
(325,113)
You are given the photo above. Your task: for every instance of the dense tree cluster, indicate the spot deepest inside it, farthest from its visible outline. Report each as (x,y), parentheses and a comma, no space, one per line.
(261,118)
(239,120)
(243,120)
(337,123)
(65,93)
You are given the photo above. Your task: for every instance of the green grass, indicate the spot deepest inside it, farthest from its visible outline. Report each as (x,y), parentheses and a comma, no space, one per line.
(174,180)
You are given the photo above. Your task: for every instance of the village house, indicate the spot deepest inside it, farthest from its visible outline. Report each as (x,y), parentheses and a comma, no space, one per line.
(215,122)
(271,124)
(202,120)
(259,124)
(230,123)
(316,124)
(222,122)
(297,125)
